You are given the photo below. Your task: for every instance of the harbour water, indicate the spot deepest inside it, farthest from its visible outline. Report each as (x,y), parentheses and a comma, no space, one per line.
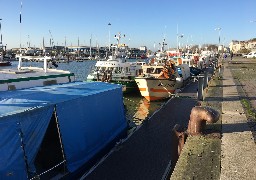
(137,108)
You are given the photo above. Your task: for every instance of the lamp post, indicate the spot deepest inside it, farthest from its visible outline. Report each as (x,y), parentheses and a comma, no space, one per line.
(109,25)
(218,29)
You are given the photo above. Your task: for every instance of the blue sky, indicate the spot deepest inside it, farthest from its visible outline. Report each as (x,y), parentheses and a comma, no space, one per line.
(144,22)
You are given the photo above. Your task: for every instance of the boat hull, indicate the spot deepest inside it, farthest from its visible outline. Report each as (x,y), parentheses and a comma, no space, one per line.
(5,63)
(156,89)
(32,77)
(128,86)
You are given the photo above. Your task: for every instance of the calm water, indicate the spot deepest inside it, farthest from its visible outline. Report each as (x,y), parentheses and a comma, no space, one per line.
(137,107)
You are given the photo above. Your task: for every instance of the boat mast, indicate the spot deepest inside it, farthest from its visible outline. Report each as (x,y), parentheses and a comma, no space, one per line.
(118,37)
(91,46)
(163,44)
(1,41)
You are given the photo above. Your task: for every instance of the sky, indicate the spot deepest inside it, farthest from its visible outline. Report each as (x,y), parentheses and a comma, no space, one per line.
(143,22)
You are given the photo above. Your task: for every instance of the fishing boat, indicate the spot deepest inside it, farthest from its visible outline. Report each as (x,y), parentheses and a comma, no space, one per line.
(5,63)
(25,77)
(117,70)
(160,81)
(161,77)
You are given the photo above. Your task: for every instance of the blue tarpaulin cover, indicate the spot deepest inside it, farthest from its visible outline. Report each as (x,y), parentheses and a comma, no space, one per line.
(90,115)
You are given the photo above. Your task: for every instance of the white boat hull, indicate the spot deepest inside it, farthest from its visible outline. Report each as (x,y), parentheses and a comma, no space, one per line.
(31,77)
(156,89)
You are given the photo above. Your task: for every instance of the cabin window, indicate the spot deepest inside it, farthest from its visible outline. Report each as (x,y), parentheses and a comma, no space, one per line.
(150,70)
(158,70)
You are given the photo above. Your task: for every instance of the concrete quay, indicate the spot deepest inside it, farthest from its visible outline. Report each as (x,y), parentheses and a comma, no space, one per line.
(238,148)
(227,152)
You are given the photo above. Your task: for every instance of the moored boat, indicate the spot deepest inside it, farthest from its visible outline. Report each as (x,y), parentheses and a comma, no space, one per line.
(161,81)
(117,70)
(5,63)
(58,131)
(25,77)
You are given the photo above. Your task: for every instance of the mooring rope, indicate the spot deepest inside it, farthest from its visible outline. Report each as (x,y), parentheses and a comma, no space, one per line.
(36,177)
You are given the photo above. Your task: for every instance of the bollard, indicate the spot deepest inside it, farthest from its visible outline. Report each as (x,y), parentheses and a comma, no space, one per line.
(205,78)
(198,117)
(180,136)
(200,87)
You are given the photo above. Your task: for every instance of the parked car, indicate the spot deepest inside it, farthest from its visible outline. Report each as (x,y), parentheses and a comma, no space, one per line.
(250,55)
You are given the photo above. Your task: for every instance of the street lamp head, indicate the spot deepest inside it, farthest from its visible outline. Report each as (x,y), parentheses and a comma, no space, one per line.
(217,29)
(181,36)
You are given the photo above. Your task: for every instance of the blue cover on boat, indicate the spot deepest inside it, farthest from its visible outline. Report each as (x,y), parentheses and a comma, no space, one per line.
(95,121)
(90,115)
(12,165)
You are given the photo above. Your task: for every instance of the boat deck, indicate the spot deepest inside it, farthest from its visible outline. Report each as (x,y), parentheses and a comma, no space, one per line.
(7,74)
(147,153)
(12,79)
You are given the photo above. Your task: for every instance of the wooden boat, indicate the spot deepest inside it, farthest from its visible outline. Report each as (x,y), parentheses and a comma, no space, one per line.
(161,81)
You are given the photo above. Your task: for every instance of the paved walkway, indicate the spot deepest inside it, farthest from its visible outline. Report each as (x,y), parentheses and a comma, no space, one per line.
(147,154)
(238,150)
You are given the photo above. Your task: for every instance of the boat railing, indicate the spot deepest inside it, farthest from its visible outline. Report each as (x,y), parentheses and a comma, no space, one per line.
(40,58)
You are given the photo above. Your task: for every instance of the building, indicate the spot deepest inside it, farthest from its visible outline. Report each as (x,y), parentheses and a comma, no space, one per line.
(240,46)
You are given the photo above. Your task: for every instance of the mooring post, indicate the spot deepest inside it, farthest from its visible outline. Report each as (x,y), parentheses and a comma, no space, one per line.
(200,87)
(198,118)
(179,137)
(217,63)
(205,78)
